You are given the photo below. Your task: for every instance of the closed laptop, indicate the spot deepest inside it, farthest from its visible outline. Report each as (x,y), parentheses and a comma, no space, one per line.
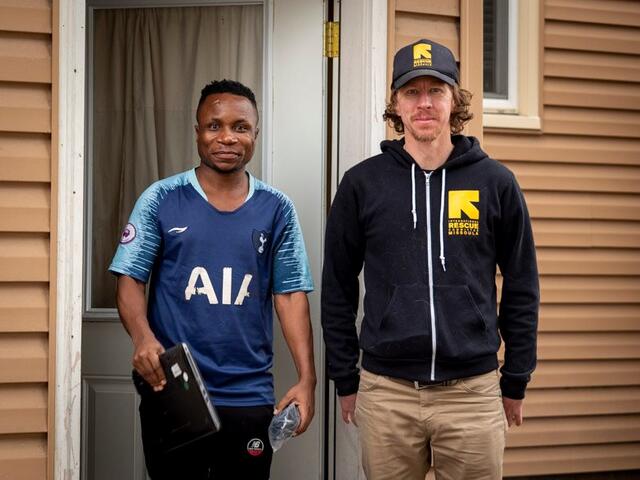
(182,410)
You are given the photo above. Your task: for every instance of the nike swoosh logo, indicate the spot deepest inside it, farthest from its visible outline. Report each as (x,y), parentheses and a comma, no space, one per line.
(177,229)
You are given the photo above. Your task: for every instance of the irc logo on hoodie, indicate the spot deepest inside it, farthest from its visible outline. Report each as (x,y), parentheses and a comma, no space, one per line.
(464,216)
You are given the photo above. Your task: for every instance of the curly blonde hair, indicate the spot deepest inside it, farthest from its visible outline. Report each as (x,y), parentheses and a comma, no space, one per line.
(460,113)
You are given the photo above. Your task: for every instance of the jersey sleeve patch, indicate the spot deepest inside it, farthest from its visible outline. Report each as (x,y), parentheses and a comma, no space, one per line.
(128,234)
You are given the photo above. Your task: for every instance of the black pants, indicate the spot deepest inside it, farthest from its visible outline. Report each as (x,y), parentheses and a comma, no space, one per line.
(240,449)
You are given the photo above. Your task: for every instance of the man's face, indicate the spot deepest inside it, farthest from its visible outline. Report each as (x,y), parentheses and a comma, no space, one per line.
(226,132)
(424,104)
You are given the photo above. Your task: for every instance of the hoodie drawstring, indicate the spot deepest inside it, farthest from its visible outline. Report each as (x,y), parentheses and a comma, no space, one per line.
(413,195)
(442,190)
(415,215)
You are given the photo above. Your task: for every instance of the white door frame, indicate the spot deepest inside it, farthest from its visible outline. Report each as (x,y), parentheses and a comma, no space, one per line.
(363,80)
(362,96)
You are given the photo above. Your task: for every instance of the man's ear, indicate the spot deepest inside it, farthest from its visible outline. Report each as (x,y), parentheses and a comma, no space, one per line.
(453,97)
(257,132)
(393,101)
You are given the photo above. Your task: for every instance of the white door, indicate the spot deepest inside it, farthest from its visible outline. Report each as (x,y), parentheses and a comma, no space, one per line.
(293,132)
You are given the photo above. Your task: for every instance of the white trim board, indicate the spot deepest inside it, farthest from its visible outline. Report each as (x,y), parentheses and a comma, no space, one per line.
(70,238)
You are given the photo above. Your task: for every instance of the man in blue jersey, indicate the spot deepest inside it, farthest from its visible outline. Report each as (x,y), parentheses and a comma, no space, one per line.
(221,248)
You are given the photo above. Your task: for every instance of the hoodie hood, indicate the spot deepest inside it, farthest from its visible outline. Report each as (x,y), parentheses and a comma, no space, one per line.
(466,150)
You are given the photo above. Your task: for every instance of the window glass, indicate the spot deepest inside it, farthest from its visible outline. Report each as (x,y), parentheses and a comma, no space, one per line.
(148,68)
(496,48)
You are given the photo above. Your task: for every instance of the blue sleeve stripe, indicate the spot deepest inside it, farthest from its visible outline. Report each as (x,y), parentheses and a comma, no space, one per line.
(136,257)
(291,266)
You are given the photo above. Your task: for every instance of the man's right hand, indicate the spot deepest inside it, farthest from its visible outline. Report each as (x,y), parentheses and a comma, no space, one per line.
(147,362)
(348,406)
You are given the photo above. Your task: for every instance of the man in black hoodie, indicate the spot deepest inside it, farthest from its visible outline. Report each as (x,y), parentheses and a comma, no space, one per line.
(430,218)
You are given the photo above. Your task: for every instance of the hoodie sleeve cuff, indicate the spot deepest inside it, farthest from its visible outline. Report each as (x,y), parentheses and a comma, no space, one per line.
(347,386)
(512,388)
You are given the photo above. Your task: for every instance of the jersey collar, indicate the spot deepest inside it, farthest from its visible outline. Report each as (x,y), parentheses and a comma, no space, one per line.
(193,180)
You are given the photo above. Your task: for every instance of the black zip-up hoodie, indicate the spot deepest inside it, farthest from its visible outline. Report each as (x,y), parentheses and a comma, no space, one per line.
(430,243)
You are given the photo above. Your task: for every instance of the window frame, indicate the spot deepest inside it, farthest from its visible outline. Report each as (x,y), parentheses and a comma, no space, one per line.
(521,110)
(509,104)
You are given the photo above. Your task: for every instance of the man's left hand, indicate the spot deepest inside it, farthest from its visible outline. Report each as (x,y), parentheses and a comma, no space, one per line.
(302,394)
(513,410)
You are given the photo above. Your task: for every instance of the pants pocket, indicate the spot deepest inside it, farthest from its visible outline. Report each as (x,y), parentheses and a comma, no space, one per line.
(486,385)
(368,381)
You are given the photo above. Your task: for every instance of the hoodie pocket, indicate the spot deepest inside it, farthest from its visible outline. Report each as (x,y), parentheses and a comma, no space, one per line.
(461,329)
(404,326)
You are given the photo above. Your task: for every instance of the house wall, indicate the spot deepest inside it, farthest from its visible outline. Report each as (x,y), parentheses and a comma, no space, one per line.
(27,214)
(581,178)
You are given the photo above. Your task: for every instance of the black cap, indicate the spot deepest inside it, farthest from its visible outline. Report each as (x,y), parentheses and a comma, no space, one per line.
(424,58)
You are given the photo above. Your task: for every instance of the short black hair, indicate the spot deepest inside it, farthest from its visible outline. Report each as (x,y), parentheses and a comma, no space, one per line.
(226,86)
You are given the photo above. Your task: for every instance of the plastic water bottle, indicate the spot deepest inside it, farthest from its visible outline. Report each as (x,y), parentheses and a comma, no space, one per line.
(283,426)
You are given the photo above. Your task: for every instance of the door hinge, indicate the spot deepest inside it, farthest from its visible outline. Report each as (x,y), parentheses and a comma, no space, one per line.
(331,39)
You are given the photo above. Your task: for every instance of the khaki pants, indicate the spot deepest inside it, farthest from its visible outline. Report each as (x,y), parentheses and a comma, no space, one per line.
(459,428)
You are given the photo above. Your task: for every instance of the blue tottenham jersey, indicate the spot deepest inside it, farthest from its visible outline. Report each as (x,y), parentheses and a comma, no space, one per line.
(212,277)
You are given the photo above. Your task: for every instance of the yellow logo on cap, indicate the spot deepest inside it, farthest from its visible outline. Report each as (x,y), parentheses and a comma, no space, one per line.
(421,55)
(463,201)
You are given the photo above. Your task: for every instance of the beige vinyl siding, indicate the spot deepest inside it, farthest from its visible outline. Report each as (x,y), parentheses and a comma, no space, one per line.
(26,239)
(581,177)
